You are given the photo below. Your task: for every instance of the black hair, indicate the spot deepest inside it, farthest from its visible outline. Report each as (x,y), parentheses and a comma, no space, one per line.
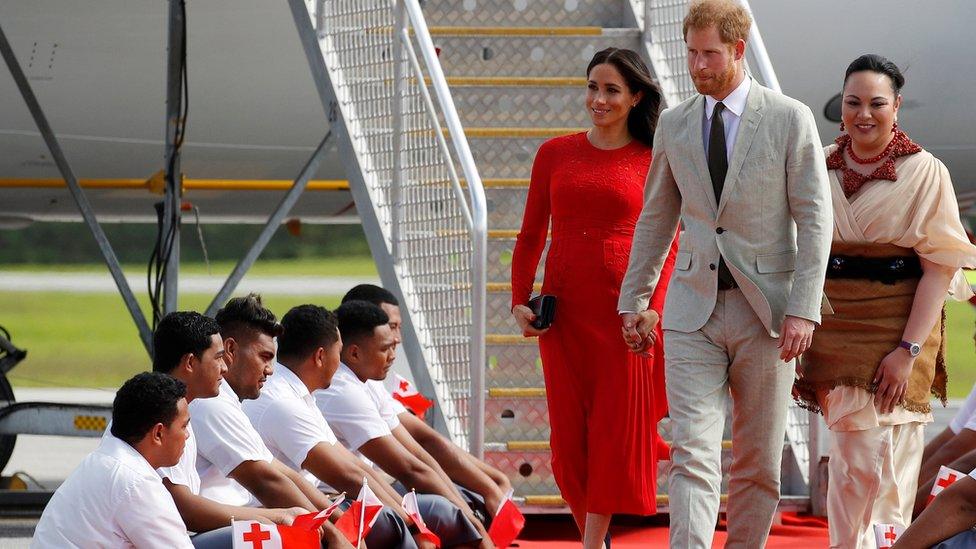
(307,327)
(178,334)
(142,402)
(358,319)
(246,316)
(642,120)
(372,293)
(879,64)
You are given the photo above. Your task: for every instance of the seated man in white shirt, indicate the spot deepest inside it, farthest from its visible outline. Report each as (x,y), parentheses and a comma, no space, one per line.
(188,347)
(948,448)
(115,498)
(286,417)
(467,471)
(368,352)
(947,523)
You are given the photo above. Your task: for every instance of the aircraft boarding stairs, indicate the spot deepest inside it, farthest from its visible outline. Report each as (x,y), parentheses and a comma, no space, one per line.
(515,73)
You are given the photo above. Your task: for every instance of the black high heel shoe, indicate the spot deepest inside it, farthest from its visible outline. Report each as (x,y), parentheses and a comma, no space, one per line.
(606,540)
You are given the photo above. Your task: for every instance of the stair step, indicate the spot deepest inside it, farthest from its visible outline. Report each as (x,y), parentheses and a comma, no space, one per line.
(516,81)
(484,54)
(512,182)
(506,287)
(537,13)
(519,31)
(509,339)
(523,104)
(543,446)
(518,133)
(517,392)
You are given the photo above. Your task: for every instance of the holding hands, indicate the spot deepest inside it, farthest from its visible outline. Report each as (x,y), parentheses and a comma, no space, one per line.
(638,331)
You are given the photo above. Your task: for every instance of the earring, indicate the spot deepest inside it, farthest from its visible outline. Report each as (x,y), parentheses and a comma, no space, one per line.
(894,127)
(842,128)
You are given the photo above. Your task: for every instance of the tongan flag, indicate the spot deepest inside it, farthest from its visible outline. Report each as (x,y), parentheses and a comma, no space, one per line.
(356,522)
(412,509)
(945,479)
(251,534)
(407,395)
(312,521)
(507,524)
(887,534)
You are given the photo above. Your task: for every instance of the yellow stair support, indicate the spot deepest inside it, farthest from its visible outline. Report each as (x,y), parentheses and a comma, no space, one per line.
(515,31)
(515,132)
(509,339)
(516,392)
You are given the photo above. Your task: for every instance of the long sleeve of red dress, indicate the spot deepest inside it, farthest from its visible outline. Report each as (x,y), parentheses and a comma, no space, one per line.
(535,227)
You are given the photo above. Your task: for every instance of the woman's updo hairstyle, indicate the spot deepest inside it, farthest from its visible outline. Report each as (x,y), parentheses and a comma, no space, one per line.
(642,119)
(878,64)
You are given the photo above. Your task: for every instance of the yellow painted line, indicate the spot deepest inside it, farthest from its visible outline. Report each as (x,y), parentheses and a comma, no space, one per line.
(508,339)
(516,392)
(516,31)
(188,184)
(504,183)
(511,132)
(501,287)
(503,233)
(543,445)
(558,501)
(516,81)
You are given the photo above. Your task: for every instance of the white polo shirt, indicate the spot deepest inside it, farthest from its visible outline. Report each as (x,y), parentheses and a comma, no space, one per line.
(185,471)
(352,413)
(287,420)
(114,499)
(225,438)
(388,406)
(966,416)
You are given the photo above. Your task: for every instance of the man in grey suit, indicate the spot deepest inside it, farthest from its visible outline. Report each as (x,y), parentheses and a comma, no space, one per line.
(744,169)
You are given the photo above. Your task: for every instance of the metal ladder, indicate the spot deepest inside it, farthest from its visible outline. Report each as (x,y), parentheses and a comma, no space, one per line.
(516,72)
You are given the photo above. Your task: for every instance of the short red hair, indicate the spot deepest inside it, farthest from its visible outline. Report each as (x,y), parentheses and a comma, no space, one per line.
(728,16)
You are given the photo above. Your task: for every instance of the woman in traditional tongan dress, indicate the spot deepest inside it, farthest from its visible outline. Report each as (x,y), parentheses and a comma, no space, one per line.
(897,252)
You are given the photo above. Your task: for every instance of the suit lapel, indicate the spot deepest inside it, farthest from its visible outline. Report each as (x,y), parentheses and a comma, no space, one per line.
(698,161)
(748,126)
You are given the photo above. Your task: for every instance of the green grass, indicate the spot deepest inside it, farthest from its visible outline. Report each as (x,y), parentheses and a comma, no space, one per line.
(334,266)
(88,340)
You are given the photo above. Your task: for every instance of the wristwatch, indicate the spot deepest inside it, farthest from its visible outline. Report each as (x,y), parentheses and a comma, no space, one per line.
(913,348)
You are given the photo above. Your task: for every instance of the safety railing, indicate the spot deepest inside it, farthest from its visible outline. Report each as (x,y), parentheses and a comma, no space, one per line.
(660,22)
(414,164)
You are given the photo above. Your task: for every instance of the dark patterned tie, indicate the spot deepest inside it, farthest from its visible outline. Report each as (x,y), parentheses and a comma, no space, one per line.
(718,167)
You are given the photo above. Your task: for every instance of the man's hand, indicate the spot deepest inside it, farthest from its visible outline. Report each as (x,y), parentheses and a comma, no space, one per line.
(524,317)
(638,330)
(286,516)
(794,337)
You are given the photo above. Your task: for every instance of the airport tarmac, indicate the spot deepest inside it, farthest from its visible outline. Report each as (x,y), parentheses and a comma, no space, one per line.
(49,460)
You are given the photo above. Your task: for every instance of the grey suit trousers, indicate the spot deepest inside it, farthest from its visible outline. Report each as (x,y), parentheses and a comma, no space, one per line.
(732,354)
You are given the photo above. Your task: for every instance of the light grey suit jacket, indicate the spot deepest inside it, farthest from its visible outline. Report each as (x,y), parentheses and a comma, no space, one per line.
(773,224)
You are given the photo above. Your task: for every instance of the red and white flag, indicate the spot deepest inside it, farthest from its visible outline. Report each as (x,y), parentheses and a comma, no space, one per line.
(412,508)
(356,522)
(251,534)
(887,534)
(406,394)
(312,521)
(945,479)
(507,523)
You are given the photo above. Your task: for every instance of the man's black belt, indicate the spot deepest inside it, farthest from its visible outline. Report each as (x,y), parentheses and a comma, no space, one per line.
(887,270)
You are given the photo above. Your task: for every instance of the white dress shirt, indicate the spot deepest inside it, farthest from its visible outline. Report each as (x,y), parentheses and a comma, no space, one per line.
(288,421)
(966,416)
(114,499)
(735,105)
(185,471)
(225,439)
(388,406)
(350,410)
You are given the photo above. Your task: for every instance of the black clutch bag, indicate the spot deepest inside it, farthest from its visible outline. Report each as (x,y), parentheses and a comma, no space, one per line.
(544,309)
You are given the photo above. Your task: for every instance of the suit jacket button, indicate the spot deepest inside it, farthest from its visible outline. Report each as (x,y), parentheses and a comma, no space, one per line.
(719,230)
(711,266)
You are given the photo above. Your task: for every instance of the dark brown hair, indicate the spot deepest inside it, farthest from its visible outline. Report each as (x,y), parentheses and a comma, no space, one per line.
(642,119)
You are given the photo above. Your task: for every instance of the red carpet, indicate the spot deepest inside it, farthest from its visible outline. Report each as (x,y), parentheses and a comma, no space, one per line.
(558,532)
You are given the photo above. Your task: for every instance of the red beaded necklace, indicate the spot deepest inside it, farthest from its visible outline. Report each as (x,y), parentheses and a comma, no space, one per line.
(900,145)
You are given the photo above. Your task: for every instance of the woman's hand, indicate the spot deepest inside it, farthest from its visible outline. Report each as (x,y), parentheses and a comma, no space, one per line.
(524,316)
(638,331)
(892,379)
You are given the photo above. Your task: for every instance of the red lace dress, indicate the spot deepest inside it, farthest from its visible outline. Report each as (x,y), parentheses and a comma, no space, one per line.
(604,401)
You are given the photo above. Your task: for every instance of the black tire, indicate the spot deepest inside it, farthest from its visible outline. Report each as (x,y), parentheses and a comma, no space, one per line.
(7,442)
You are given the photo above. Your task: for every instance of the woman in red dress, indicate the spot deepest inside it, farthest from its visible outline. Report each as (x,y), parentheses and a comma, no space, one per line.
(605,399)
